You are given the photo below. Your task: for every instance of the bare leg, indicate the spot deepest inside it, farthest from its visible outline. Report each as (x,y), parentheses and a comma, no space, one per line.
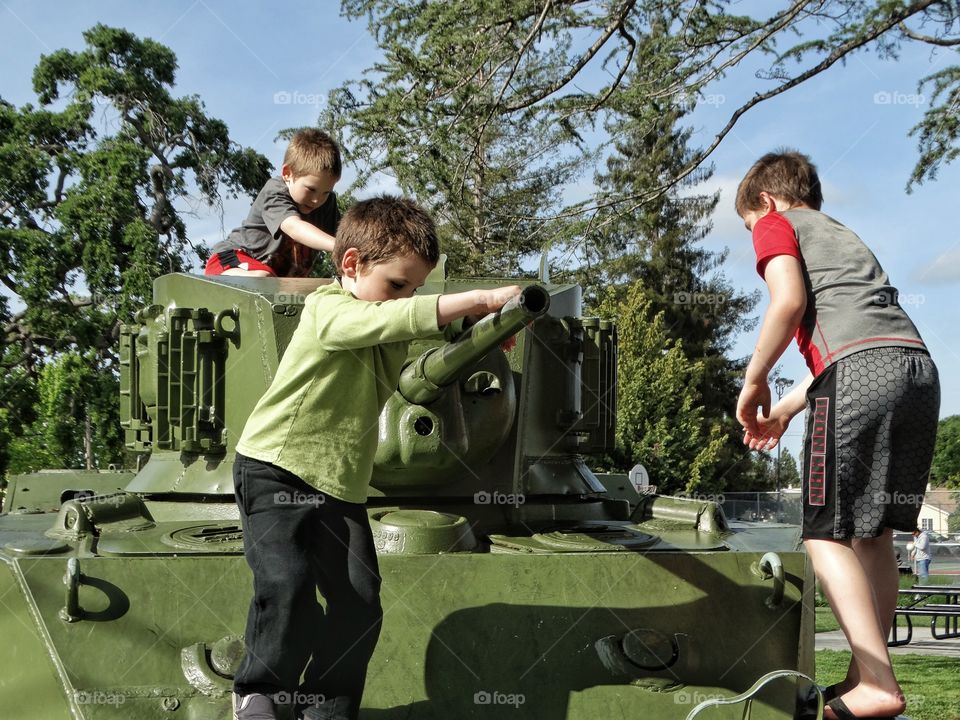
(246,273)
(879,562)
(857,598)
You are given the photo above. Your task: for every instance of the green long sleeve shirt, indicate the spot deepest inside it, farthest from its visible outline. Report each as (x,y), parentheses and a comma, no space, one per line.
(319,417)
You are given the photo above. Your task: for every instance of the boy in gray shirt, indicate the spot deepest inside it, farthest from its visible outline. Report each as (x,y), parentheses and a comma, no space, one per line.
(872,399)
(293,218)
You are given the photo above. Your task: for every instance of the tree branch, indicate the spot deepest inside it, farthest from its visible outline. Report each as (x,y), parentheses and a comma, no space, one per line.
(930,39)
(631,41)
(577,67)
(639,199)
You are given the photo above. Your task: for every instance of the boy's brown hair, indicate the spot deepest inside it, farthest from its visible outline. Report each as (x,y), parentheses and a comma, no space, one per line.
(785,174)
(312,152)
(386,227)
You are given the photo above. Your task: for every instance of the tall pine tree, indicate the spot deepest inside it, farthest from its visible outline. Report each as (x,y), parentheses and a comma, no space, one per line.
(658,245)
(491,174)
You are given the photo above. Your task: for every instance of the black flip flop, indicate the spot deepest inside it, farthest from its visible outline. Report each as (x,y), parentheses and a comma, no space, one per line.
(841,710)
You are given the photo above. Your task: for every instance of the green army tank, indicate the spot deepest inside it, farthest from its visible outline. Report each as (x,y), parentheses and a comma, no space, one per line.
(517,583)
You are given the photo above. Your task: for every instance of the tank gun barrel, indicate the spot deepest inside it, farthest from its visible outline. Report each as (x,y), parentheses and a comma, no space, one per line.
(422,381)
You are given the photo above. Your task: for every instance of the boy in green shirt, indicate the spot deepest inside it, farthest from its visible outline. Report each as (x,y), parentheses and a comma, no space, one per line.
(305,459)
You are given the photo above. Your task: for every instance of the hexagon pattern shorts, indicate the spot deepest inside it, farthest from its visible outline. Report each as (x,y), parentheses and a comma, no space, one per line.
(870,429)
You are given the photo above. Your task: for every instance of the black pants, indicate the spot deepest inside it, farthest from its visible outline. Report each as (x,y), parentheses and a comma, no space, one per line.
(298,540)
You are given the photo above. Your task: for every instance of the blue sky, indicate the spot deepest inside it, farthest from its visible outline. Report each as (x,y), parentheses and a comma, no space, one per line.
(264,67)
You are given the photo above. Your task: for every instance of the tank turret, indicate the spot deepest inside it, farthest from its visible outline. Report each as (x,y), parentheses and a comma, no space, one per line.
(514,576)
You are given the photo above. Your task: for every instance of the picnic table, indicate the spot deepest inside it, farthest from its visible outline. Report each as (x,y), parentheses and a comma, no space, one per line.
(925,600)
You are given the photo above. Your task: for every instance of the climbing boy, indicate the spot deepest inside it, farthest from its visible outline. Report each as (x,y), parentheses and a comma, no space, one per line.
(293,218)
(305,459)
(872,399)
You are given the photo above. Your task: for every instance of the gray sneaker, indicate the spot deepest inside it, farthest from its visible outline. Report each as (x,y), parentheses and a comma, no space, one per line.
(253,707)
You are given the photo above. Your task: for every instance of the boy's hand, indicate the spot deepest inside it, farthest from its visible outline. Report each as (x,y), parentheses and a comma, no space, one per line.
(496,299)
(491,300)
(763,430)
(771,429)
(752,396)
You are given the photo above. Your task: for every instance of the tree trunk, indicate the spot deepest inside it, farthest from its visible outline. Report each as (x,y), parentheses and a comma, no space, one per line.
(88,441)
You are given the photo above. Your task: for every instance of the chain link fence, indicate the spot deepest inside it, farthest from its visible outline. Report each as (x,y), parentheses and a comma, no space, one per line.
(939,513)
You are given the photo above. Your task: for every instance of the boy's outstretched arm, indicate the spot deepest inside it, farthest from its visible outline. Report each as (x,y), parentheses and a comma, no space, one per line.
(473,302)
(788,300)
(306,234)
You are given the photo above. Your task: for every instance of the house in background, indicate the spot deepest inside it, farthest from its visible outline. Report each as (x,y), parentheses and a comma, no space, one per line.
(937,507)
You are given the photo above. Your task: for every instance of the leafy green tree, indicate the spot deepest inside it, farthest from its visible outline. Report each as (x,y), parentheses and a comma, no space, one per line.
(90,181)
(18,393)
(486,172)
(953,520)
(660,419)
(945,470)
(789,472)
(77,399)
(759,474)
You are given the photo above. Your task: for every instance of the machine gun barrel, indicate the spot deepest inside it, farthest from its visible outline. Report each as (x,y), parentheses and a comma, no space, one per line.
(423,380)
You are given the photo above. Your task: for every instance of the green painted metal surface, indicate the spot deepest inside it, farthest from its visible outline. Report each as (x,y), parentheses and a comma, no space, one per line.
(517,583)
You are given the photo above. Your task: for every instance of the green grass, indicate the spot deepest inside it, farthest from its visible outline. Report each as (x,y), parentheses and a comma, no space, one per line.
(826,622)
(931,683)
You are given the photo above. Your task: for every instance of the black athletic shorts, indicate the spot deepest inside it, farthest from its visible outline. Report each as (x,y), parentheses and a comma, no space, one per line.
(871,426)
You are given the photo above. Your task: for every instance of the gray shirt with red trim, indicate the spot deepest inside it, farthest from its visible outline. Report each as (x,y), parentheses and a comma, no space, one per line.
(851,305)
(260,235)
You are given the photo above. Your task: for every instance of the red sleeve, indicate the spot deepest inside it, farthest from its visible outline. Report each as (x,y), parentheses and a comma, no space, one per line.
(774,235)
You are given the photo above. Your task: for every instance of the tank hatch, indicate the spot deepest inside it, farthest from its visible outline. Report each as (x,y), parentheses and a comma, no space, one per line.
(206,539)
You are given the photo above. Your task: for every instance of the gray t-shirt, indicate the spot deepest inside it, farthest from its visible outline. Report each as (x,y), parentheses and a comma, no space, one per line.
(851,305)
(260,236)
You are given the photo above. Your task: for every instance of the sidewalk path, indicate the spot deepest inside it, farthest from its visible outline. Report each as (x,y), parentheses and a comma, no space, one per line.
(922,644)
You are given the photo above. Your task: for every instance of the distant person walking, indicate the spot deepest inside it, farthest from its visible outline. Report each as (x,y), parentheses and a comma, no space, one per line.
(921,555)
